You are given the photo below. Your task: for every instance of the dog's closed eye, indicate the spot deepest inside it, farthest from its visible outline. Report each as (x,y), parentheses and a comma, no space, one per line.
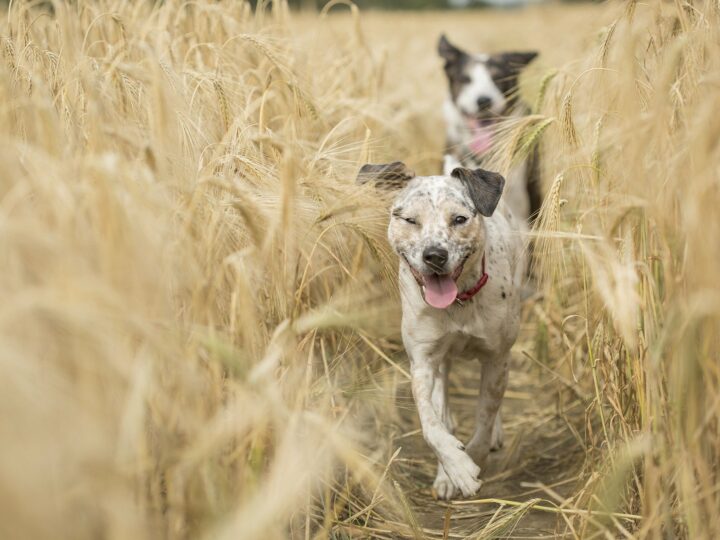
(410,220)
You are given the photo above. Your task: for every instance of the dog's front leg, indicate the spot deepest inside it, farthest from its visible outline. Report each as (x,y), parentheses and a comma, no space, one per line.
(443,486)
(457,465)
(492,388)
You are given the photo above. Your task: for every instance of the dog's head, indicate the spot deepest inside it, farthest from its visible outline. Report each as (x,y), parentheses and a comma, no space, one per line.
(482,86)
(436,222)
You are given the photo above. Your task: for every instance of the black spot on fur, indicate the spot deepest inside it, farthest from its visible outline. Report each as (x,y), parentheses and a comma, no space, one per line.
(503,294)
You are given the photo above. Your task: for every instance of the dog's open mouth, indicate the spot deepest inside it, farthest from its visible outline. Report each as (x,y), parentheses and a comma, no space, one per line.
(439,290)
(482,129)
(480,120)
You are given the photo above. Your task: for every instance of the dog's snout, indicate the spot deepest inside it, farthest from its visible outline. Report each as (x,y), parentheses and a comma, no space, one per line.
(435,257)
(484,103)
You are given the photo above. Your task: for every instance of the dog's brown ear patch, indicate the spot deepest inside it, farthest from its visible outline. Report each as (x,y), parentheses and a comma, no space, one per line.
(484,187)
(385,175)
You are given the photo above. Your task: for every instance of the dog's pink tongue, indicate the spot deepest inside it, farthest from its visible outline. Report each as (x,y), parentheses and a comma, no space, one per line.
(482,136)
(481,141)
(440,291)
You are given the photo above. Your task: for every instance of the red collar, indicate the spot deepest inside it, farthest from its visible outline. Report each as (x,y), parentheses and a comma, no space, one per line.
(468,294)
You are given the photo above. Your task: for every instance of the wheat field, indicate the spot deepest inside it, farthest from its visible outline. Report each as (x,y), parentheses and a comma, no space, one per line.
(199,326)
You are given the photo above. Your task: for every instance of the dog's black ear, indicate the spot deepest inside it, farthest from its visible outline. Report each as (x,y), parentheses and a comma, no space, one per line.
(386,175)
(506,69)
(485,188)
(448,51)
(515,61)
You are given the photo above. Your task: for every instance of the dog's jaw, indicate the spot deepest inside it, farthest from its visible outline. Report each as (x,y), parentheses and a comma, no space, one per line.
(472,270)
(439,290)
(464,276)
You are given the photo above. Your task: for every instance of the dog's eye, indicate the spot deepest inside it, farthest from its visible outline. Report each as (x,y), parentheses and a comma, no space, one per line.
(459,220)
(465,79)
(410,220)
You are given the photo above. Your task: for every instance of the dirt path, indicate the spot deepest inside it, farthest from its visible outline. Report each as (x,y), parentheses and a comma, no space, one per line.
(541,458)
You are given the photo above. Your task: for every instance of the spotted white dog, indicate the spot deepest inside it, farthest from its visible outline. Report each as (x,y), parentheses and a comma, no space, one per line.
(461,267)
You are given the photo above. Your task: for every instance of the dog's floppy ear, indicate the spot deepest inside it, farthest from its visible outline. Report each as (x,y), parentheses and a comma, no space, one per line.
(485,188)
(386,175)
(448,51)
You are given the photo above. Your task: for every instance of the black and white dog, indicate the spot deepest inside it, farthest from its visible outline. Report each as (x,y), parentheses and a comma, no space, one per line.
(483,90)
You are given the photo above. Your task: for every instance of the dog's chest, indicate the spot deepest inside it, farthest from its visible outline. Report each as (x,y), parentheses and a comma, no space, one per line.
(474,333)
(466,347)
(462,333)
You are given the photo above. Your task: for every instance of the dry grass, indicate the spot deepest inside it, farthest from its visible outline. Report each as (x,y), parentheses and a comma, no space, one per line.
(637,151)
(198,332)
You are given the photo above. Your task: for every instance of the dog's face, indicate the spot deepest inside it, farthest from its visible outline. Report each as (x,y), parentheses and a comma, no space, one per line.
(482,86)
(436,223)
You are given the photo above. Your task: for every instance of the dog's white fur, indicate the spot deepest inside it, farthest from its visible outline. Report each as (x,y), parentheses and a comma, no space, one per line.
(480,84)
(483,329)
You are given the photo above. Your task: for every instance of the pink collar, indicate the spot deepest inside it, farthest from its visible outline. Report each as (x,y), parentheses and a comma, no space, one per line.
(468,294)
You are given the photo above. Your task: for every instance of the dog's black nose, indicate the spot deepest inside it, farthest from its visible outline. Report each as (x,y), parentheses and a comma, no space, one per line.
(483,103)
(435,257)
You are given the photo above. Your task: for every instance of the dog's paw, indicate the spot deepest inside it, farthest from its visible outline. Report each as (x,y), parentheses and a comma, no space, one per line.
(443,487)
(462,472)
(497,440)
